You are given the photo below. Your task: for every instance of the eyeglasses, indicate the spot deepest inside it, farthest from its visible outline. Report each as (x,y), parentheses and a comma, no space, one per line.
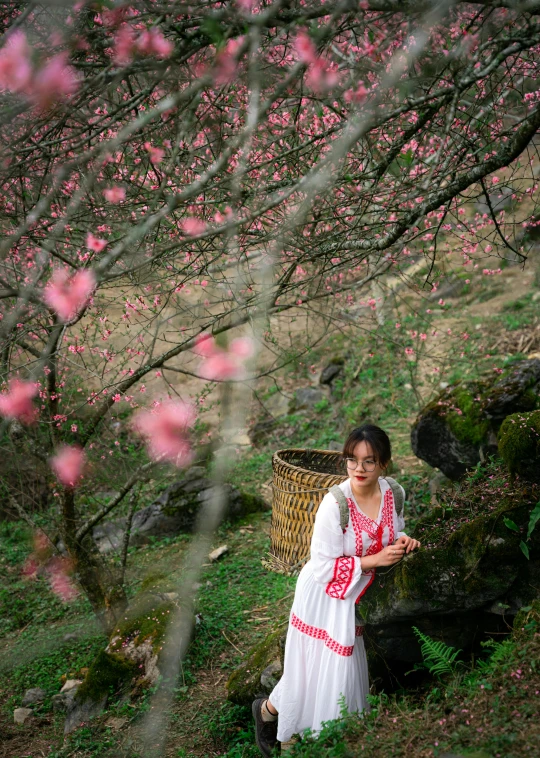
(368,465)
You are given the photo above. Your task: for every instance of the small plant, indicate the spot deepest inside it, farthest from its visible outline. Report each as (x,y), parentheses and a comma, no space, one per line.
(440,659)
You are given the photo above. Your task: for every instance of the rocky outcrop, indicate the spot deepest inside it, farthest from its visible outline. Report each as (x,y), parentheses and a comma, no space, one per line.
(469,576)
(175,511)
(457,430)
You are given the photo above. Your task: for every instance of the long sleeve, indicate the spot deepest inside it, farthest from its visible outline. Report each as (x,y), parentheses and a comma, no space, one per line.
(400,519)
(339,573)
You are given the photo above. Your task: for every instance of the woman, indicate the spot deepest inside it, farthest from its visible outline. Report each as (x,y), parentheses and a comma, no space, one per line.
(325,658)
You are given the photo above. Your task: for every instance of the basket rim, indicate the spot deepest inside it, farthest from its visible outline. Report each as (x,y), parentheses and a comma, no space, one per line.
(276,456)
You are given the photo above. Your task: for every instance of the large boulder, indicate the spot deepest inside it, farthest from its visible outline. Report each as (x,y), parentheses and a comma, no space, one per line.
(175,511)
(469,575)
(456,430)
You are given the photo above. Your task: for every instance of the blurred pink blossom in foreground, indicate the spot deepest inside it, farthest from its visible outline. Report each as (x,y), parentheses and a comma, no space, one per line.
(95,243)
(115,194)
(156,153)
(58,573)
(56,80)
(193,226)
(57,569)
(166,431)
(17,401)
(67,295)
(68,464)
(53,80)
(219,364)
(15,67)
(152,42)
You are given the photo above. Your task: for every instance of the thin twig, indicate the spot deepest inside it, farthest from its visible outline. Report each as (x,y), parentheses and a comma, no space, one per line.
(231,643)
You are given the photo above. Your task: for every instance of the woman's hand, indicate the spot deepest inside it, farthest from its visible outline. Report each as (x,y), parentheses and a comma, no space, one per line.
(407,542)
(390,555)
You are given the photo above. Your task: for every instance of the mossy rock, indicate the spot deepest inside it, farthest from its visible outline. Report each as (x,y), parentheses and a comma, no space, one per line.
(108,672)
(519,445)
(131,658)
(257,676)
(459,428)
(468,572)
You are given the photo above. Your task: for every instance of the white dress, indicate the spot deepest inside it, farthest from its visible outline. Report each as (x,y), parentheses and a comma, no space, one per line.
(325,658)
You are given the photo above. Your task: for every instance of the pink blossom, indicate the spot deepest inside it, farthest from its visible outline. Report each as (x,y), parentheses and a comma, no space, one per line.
(17,401)
(124,45)
(15,67)
(193,226)
(166,431)
(68,464)
(152,42)
(115,194)
(95,243)
(67,295)
(220,367)
(246,5)
(219,364)
(55,81)
(305,49)
(358,95)
(156,153)
(495,180)
(322,76)
(241,347)
(205,345)
(58,570)
(226,63)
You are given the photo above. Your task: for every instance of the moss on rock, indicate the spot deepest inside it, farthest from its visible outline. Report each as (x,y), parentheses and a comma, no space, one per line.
(244,684)
(519,444)
(108,672)
(146,620)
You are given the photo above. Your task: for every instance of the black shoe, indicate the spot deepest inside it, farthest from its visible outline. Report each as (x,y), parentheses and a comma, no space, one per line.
(265,731)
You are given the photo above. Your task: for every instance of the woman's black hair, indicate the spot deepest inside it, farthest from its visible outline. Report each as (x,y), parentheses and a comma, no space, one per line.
(375,437)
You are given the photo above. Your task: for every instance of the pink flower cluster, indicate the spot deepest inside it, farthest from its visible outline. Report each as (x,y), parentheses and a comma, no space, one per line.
(45,84)
(220,365)
(57,569)
(67,295)
(16,403)
(68,465)
(165,429)
(322,74)
(193,226)
(115,194)
(149,42)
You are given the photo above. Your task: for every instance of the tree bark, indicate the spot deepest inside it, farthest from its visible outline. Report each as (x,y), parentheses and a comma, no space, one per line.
(99,581)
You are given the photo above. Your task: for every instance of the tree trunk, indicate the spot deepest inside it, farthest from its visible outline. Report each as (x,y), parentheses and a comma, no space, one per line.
(100,582)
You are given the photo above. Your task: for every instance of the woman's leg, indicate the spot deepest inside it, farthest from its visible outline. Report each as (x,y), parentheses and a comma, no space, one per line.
(271,708)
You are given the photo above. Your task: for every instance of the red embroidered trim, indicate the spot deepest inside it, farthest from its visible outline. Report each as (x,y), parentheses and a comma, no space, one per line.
(343,574)
(321,634)
(358,631)
(361,522)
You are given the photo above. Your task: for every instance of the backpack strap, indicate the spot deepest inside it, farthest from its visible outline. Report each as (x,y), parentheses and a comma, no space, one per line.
(337,492)
(398,494)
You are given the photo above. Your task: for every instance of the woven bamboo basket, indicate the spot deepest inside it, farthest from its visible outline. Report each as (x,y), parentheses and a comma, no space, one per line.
(301,480)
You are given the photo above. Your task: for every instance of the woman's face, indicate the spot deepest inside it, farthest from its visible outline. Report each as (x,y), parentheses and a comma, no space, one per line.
(363,453)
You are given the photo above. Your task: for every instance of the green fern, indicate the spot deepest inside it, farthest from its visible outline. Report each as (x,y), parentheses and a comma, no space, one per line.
(439,658)
(500,653)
